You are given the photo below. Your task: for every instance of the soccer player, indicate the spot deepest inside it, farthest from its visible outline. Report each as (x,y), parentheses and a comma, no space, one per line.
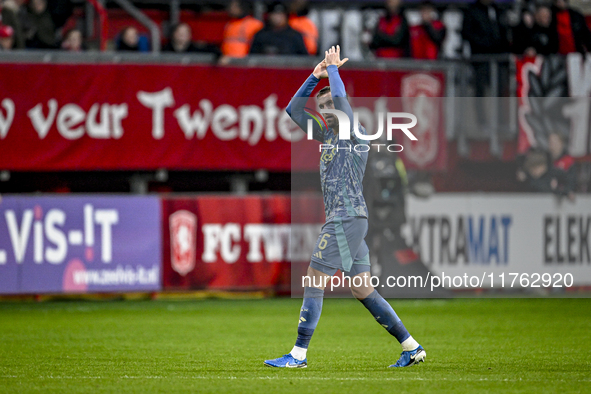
(341,244)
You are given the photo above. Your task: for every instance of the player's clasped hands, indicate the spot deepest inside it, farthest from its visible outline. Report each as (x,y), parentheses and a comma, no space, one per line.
(331,57)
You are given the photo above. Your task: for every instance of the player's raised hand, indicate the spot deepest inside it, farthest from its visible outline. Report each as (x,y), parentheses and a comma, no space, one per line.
(333,57)
(320,70)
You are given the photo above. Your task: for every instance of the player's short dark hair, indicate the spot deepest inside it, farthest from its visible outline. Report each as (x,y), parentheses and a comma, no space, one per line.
(323,91)
(326,90)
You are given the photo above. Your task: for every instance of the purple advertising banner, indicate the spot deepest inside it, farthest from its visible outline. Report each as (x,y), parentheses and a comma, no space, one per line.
(79,244)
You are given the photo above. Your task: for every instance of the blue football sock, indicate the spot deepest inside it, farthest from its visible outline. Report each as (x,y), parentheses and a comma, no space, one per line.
(309,315)
(385,315)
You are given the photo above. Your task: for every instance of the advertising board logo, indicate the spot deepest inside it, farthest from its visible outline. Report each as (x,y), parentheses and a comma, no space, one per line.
(420,92)
(183,230)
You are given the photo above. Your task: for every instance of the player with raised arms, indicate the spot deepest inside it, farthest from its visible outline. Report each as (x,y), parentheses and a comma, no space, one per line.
(341,244)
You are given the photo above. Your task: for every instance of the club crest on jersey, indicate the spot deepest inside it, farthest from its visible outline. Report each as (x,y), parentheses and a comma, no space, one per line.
(328,154)
(183,230)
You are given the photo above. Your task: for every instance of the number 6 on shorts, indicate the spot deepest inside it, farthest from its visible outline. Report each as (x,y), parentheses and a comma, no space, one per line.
(323,242)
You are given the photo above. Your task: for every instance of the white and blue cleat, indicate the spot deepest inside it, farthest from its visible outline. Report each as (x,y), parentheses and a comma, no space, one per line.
(410,358)
(287,361)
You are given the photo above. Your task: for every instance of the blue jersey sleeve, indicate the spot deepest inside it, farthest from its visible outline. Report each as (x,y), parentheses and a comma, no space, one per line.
(339,97)
(295,108)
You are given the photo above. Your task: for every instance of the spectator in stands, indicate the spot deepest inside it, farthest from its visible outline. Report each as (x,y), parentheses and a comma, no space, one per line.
(277,37)
(239,32)
(391,38)
(521,43)
(180,41)
(484,29)
(13,15)
(573,33)
(563,165)
(536,172)
(6,38)
(549,173)
(426,38)
(130,40)
(299,21)
(60,11)
(544,38)
(536,35)
(73,41)
(42,33)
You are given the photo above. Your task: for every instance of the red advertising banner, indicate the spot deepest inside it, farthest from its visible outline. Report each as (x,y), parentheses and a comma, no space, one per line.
(227,243)
(125,117)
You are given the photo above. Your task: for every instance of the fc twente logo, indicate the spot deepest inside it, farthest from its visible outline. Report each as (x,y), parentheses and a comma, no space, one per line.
(421,94)
(183,231)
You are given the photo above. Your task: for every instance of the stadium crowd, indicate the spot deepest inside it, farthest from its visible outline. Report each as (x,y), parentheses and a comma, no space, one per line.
(540,27)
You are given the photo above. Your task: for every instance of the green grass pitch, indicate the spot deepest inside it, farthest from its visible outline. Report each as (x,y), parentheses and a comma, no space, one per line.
(485,345)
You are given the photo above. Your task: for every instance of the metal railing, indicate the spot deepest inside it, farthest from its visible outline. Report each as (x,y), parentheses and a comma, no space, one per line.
(486,85)
(103,22)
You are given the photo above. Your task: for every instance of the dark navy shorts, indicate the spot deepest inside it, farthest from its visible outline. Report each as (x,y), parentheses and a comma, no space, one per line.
(341,246)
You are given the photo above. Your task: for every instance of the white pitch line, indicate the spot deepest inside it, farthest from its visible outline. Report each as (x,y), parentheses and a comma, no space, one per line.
(400,378)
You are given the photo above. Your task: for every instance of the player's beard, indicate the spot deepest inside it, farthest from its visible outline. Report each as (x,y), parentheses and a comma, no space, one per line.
(331,122)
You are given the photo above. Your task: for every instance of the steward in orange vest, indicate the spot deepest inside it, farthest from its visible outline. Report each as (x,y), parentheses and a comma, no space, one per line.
(239,32)
(299,21)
